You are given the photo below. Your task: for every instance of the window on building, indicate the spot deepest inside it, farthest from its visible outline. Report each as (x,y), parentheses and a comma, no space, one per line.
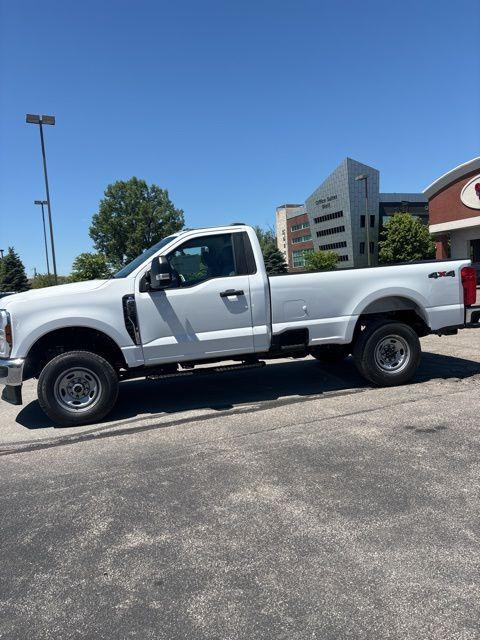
(386,220)
(362,248)
(372,221)
(420,217)
(331,231)
(333,245)
(301,239)
(362,221)
(298,257)
(343,258)
(475,251)
(372,247)
(328,216)
(300,225)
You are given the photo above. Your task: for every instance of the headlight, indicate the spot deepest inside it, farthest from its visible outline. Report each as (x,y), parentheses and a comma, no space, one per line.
(5,334)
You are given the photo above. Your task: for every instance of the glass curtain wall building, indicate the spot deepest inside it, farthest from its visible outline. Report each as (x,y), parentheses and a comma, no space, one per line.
(345,214)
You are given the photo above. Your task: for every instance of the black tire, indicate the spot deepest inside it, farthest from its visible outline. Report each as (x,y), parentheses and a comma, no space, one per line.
(383,345)
(330,353)
(77,387)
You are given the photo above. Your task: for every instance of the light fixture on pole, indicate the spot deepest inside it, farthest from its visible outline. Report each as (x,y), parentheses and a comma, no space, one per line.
(364,177)
(41,120)
(42,203)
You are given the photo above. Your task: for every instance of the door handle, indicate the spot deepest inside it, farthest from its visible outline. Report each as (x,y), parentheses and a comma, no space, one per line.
(231,292)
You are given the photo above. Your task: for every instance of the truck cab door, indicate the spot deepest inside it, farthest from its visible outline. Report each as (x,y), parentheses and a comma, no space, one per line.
(205,312)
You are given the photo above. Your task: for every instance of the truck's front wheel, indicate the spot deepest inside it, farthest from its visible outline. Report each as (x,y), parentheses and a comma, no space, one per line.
(387,353)
(77,387)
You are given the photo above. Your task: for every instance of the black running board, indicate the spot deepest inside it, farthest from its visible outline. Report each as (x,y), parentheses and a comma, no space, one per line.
(205,371)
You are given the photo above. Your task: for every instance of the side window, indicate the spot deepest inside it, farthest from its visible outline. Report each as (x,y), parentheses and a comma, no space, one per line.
(203,258)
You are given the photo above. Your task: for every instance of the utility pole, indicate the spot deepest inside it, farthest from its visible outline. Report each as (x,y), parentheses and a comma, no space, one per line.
(41,120)
(43,202)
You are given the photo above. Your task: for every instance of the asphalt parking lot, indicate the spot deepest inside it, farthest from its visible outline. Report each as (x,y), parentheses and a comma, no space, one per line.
(287,502)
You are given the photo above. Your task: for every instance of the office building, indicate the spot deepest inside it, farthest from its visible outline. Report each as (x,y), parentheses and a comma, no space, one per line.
(345,214)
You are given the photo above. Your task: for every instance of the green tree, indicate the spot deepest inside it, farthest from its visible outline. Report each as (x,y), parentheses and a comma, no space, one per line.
(12,273)
(274,260)
(266,237)
(131,218)
(272,256)
(41,280)
(90,266)
(405,239)
(321,260)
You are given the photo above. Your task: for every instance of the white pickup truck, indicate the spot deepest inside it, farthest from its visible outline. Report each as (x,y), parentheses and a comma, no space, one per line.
(203,296)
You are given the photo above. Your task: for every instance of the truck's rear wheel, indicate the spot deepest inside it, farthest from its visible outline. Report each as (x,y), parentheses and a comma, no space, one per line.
(387,353)
(77,387)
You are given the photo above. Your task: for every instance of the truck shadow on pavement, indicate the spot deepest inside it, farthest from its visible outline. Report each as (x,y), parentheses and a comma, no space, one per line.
(283,382)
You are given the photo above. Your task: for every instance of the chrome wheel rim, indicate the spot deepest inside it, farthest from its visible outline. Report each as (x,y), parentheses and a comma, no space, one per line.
(392,354)
(77,389)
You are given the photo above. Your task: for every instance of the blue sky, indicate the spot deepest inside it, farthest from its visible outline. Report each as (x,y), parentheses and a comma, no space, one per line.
(235,107)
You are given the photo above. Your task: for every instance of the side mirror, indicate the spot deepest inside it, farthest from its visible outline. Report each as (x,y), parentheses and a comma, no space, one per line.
(160,274)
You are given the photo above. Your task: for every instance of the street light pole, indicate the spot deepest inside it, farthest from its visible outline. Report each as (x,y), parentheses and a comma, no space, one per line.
(363,177)
(41,120)
(43,202)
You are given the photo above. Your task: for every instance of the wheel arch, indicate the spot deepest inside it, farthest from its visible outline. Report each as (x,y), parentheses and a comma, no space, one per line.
(394,307)
(72,338)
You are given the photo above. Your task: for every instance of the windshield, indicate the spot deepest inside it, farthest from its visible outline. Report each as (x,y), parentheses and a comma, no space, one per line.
(131,266)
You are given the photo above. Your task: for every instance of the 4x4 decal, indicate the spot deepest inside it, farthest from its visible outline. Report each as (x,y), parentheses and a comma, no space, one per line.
(442,274)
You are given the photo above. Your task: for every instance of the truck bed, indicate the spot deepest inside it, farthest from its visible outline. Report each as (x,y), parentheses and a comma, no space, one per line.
(329,303)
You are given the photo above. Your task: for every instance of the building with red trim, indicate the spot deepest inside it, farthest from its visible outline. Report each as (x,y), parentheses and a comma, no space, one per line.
(293,234)
(454,212)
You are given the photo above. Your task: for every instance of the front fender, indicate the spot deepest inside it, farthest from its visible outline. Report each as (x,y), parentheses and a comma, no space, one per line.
(27,331)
